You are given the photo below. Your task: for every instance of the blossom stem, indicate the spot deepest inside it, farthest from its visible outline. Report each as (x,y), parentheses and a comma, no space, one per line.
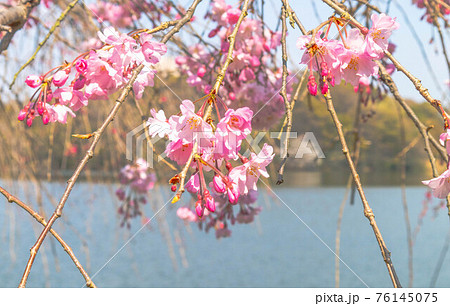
(216,170)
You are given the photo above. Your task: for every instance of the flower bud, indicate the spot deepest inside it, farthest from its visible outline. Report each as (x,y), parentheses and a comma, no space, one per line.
(331,80)
(233,195)
(323,69)
(30,120)
(79,83)
(22,115)
(45,117)
(324,88)
(201,71)
(33,81)
(210,204)
(81,66)
(60,78)
(219,185)
(120,193)
(199,208)
(214,32)
(40,108)
(312,85)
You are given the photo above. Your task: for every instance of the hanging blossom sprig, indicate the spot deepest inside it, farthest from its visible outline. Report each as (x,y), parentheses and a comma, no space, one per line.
(351,58)
(93,75)
(210,149)
(136,181)
(126,12)
(252,81)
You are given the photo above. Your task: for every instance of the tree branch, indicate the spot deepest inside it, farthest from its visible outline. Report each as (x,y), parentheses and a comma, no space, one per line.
(367,210)
(14,18)
(41,220)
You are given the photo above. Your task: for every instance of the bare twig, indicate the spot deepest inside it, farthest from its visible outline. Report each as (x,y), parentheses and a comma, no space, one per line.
(367,209)
(293,17)
(427,138)
(41,220)
(283,93)
(14,18)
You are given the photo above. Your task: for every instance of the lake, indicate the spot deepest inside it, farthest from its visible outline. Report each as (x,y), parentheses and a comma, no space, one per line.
(277,250)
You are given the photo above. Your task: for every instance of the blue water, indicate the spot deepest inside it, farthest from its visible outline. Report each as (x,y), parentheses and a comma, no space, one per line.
(276,251)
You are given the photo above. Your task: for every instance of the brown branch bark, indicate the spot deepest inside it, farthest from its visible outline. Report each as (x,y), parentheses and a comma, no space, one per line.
(367,209)
(14,18)
(427,138)
(283,93)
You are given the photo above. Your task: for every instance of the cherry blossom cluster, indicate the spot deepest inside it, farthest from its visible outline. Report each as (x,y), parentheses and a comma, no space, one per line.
(224,214)
(350,59)
(210,148)
(136,180)
(438,8)
(250,81)
(126,12)
(93,75)
(440,185)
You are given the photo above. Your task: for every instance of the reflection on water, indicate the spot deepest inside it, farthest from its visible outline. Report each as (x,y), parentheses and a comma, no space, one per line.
(276,251)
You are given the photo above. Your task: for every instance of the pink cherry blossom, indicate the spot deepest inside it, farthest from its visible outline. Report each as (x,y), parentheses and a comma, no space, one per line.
(184,213)
(136,180)
(444,140)
(191,127)
(248,174)
(193,184)
(58,113)
(440,185)
(60,78)
(379,33)
(158,125)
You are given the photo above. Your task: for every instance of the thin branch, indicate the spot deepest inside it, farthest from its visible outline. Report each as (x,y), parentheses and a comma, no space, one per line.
(410,26)
(14,18)
(90,152)
(41,220)
(283,93)
(427,138)
(293,17)
(418,85)
(367,210)
(42,43)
